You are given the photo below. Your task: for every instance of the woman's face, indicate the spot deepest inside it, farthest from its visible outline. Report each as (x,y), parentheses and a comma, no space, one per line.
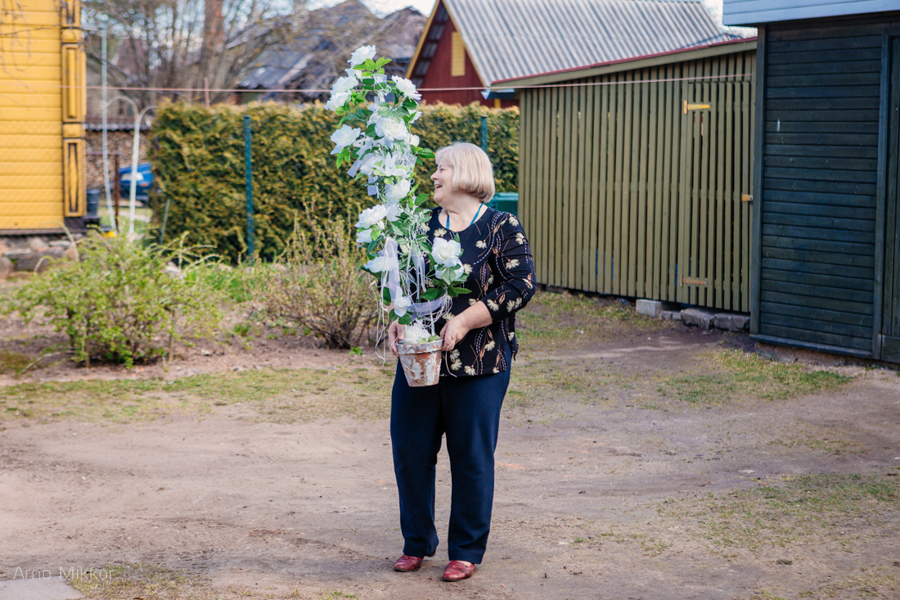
(443,182)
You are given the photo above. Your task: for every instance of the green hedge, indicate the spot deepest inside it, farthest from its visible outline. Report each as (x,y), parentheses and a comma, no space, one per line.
(198,163)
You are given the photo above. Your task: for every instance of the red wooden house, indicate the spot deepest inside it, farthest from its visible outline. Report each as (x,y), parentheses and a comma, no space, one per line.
(469,44)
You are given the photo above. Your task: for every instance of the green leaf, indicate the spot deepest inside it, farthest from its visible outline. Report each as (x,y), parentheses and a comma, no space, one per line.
(432,294)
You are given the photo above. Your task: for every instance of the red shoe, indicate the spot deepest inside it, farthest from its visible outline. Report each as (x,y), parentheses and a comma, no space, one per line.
(407,564)
(458,570)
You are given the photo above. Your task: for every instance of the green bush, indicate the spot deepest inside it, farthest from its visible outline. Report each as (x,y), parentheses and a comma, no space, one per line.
(317,284)
(118,303)
(198,163)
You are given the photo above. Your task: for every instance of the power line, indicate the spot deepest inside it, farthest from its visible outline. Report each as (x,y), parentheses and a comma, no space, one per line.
(512,87)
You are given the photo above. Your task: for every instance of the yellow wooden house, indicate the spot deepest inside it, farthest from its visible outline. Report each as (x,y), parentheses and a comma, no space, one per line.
(42,108)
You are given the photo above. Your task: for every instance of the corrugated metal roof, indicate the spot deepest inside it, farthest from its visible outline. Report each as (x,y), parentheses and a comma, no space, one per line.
(515,38)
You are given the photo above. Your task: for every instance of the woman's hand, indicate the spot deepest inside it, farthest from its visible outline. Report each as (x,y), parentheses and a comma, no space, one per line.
(455,329)
(395,334)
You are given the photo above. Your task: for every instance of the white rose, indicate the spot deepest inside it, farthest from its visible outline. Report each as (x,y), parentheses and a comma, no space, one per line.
(361,55)
(413,140)
(337,100)
(397,191)
(392,129)
(393,166)
(378,264)
(406,87)
(364,236)
(371,216)
(401,303)
(446,252)
(343,137)
(367,164)
(393,212)
(415,334)
(344,84)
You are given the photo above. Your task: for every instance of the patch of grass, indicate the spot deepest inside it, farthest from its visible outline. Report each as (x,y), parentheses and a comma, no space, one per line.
(237,284)
(829,439)
(804,510)
(13,362)
(337,595)
(128,581)
(585,381)
(737,374)
(283,395)
(871,582)
(566,318)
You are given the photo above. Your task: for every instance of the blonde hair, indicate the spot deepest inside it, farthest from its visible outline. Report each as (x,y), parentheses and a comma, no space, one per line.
(472,170)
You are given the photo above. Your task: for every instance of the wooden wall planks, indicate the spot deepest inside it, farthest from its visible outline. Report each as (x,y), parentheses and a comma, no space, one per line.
(626,193)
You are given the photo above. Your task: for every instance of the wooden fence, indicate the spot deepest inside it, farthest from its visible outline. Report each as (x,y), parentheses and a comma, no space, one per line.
(638,182)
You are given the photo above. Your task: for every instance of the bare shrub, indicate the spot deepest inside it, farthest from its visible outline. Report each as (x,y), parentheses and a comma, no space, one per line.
(316,283)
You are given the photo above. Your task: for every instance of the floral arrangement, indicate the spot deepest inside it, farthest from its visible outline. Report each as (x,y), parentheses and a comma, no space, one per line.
(416,278)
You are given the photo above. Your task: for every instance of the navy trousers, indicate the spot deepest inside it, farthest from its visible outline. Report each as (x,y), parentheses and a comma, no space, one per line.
(467,410)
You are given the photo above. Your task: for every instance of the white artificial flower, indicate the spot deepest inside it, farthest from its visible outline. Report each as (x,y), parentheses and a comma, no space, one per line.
(367,164)
(361,55)
(392,129)
(397,191)
(344,84)
(391,165)
(393,212)
(343,137)
(406,87)
(415,333)
(363,236)
(446,252)
(371,216)
(378,264)
(401,303)
(337,100)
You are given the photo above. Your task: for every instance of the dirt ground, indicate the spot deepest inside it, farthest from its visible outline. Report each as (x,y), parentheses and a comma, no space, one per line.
(609,484)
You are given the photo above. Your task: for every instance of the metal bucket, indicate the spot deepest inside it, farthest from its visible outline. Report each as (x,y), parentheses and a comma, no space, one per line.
(421,362)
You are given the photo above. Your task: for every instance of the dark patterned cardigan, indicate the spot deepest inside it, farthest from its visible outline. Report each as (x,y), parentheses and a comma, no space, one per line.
(497,259)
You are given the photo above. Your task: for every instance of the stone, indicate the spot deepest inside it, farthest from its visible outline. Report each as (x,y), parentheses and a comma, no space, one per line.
(6,267)
(4,247)
(71,252)
(731,322)
(670,315)
(698,316)
(173,271)
(38,261)
(650,308)
(37,244)
(60,244)
(38,588)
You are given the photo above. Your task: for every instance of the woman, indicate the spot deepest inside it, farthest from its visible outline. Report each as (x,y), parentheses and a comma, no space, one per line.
(479,342)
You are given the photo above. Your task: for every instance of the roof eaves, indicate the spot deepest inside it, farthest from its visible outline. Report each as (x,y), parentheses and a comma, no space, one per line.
(422,38)
(704,51)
